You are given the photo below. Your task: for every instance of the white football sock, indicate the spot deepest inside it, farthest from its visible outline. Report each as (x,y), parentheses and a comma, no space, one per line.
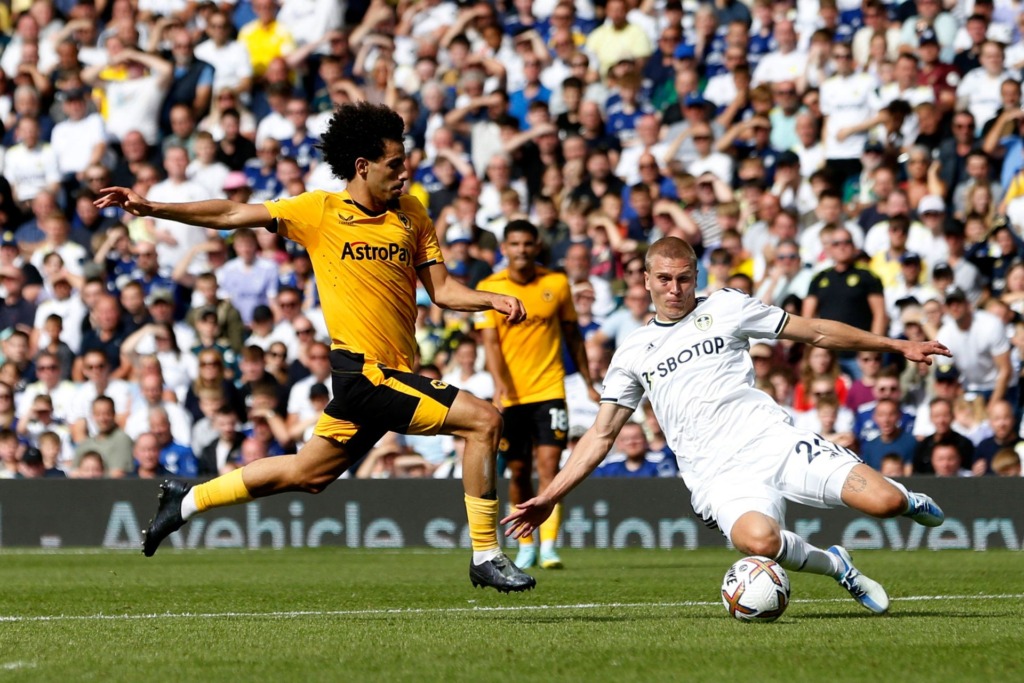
(481,556)
(903,490)
(188,505)
(800,556)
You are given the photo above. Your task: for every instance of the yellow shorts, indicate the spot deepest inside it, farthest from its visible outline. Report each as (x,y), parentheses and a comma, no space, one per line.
(371,399)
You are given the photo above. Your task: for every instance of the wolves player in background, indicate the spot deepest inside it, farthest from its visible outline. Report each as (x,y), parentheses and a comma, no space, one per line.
(739,454)
(525,360)
(368,245)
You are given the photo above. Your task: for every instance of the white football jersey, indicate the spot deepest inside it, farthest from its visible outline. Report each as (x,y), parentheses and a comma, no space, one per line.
(699,378)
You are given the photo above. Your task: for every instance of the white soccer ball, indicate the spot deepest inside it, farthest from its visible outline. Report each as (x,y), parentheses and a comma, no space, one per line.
(756,589)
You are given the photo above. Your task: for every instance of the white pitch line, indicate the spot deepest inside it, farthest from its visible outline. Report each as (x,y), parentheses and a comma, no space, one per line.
(399,611)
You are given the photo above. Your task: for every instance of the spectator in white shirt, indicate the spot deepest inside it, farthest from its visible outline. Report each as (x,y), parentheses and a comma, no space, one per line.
(30,165)
(979,91)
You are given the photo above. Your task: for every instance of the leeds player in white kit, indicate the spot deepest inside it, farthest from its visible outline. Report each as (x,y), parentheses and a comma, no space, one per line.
(738,452)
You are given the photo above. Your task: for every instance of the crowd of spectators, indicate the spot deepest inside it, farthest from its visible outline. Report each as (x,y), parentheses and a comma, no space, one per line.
(861,161)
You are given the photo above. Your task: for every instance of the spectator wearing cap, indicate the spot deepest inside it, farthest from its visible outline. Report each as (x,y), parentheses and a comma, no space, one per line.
(261,328)
(908,288)
(942,77)
(80,140)
(886,264)
(930,15)
(846,101)
(1003,248)
(247,280)
(31,466)
(980,349)
(458,241)
(966,274)
(617,39)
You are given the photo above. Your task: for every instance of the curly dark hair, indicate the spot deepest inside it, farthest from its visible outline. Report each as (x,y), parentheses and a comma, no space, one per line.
(359,130)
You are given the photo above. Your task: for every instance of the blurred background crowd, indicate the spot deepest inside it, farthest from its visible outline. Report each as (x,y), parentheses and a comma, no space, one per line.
(859,161)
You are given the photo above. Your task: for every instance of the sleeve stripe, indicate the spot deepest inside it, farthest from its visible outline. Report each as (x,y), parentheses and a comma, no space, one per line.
(618,403)
(427,264)
(782,323)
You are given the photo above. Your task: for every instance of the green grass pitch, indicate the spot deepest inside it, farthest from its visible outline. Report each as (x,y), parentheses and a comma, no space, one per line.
(342,615)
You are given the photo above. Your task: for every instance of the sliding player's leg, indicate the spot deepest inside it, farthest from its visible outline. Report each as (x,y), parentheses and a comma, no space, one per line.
(867,490)
(759,532)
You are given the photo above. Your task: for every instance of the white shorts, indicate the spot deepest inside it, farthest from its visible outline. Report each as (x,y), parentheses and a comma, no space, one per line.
(784,463)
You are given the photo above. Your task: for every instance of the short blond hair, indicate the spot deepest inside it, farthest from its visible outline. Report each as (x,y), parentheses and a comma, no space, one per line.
(672,248)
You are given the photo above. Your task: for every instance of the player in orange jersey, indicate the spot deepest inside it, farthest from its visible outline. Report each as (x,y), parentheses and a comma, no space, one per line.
(368,246)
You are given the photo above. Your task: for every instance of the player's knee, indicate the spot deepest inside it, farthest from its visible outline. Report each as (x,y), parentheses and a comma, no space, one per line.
(757,539)
(889,502)
(489,424)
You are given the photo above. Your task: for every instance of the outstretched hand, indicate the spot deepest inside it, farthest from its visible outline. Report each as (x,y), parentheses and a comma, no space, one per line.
(124,198)
(528,516)
(922,352)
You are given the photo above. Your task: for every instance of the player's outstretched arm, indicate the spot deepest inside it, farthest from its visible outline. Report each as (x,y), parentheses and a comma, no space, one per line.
(831,334)
(585,458)
(220,214)
(447,292)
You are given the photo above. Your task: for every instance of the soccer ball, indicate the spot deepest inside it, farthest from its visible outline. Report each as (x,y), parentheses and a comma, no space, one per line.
(756,589)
